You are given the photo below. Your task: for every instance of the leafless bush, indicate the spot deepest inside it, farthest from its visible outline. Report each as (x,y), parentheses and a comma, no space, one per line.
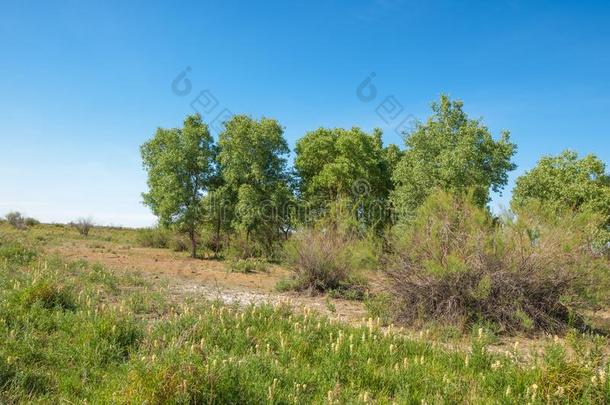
(325,260)
(454,264)
(83,225)
(16,220)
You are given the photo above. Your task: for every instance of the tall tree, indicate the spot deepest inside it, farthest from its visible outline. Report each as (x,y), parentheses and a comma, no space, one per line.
(565,181)
(180,166)
(454,153)
(252,157)
(349,165)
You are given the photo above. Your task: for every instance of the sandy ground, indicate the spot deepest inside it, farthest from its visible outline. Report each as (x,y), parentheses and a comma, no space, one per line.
(210,279)
(205,278)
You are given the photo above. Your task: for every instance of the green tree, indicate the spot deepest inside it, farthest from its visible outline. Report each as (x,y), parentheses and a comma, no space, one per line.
(565,181)
(252,159)
(180,166)
(344,165)
(454,153)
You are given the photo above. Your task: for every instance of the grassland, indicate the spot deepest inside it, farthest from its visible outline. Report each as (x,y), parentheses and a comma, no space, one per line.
(72,330)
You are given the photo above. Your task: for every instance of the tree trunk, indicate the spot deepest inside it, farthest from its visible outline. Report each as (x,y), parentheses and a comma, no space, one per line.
(193,244)
(217,242)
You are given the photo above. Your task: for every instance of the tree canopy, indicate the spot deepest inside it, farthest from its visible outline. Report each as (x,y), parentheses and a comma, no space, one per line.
(252,158)
(451,152)
(180,166)
(337,163)
(565,181)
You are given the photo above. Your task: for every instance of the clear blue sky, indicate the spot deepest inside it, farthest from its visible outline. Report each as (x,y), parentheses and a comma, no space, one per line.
(83,84)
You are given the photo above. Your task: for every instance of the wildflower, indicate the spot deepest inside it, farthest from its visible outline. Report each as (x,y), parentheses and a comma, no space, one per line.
(496,365)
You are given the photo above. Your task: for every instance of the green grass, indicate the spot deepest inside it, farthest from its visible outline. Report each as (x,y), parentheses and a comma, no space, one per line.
(79,332)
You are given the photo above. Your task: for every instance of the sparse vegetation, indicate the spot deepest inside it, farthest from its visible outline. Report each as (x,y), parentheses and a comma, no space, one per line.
(197,352)
(83,226)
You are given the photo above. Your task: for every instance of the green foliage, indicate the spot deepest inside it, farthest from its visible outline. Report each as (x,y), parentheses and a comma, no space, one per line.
(250,265)
(31,222)
(180,166)
(156,237)
(339,163)
(453,263)
(252,157)
(68,336)
(566,182)
(15,253)
(451,152)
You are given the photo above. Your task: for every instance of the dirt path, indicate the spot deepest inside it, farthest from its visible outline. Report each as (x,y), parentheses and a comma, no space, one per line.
(204,278)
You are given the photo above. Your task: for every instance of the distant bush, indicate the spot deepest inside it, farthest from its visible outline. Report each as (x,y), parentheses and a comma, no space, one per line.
(83,226)
(250,265)
(156,237)
(32,221)
(324,260)
(17,220)
(454,263)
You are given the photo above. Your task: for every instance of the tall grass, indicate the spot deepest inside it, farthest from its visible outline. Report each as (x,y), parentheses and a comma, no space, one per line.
(70,332)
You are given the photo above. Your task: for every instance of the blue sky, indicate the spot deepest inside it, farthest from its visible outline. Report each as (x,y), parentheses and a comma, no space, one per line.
(83,84)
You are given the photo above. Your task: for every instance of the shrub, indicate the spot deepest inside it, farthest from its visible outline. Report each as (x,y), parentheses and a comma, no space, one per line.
(83,226)
(16,253)
(16,220)
(49,295)
(453,263)
(156,237)
(31,221)
(325,260)
(250,265)
(179,243)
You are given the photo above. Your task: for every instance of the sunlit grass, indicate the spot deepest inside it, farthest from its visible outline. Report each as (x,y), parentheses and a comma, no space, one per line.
(75,332)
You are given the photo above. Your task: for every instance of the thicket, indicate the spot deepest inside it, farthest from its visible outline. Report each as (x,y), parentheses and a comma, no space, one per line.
(455,263)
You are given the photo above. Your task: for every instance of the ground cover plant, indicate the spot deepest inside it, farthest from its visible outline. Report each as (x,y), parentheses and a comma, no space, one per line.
(132,345)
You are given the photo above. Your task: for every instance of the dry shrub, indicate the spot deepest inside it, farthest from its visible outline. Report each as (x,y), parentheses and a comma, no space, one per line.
(83,226)
(325,260)
(17,220)
(454,263)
